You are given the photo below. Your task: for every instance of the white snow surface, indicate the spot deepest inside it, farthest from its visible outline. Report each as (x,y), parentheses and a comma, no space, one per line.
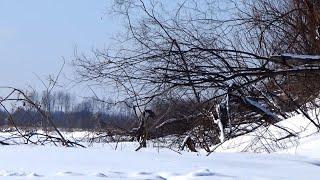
(44,162)
(305,57)
(297,57)
(299,161)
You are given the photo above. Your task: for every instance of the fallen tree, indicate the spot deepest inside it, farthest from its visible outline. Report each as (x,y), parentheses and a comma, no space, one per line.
(234,69)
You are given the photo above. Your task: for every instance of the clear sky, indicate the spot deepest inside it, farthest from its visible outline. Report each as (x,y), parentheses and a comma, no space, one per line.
(35,36)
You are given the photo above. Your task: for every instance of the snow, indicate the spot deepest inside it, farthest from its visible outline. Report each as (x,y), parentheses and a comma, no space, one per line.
(104,162)
(263,139)
(220,125)
(299,160)
(261,108)
(298,56)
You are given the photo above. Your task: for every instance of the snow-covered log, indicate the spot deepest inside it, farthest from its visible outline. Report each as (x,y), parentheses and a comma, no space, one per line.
(295,59)
(257,107)
(220,125)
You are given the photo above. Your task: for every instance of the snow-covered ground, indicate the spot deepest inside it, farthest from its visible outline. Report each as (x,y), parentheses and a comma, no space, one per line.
(300,161)
(44,162)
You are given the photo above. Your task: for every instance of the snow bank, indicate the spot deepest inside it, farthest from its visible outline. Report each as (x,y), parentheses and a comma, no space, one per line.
(268,139)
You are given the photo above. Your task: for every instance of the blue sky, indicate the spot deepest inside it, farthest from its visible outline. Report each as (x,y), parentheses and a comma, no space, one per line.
(35,36)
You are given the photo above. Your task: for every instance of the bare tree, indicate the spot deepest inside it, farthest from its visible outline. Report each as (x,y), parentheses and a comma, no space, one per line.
(223,58)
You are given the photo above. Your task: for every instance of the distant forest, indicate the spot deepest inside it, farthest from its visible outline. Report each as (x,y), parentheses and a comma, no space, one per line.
(67,112)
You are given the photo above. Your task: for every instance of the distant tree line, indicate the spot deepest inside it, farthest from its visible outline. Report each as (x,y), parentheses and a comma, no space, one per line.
(67,112)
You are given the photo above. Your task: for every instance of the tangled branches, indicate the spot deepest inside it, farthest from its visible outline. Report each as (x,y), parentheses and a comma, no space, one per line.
(41,130)
(233,69)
